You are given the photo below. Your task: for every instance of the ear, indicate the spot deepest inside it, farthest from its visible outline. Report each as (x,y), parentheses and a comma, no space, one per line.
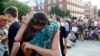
(8,15)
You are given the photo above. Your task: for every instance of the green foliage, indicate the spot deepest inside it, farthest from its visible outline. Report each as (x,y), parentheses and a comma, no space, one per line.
(67,13)
(1,7)
(22,8)
(99,12)
(57,11)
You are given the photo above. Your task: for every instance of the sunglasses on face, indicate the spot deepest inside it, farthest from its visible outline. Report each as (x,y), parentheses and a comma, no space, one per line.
(39,22)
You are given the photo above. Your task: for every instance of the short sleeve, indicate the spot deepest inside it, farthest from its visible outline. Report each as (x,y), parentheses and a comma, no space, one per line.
(52,28)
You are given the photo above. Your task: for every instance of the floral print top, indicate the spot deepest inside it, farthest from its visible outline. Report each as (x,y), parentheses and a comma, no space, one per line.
(44,37)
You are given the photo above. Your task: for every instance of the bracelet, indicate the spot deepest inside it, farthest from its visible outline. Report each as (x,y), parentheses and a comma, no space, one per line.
(24,23)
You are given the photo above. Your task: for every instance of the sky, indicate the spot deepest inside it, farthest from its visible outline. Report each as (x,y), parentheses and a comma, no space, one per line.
(94,2)
(22,0)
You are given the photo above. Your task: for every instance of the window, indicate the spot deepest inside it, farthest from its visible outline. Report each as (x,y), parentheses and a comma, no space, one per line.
(61,7)
(68,6)
(54,1)
(42,7)
(49,8)
(74,8)
(49,1)
(38,7)
(71,7)
(72,1)
(60,0)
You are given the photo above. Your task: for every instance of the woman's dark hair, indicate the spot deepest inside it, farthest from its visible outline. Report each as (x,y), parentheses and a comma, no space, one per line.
(20,17)
(37,19)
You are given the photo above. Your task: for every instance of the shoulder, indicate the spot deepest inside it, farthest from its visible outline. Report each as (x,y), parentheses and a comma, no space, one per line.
(51,28)
(15,25)
(54,24)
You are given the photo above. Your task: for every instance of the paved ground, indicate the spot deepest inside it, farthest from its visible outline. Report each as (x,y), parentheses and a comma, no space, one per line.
(85,48)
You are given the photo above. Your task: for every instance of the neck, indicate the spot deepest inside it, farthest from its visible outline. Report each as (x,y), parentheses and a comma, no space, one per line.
(13,20)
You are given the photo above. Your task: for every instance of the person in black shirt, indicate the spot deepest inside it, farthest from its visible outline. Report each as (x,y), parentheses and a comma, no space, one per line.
(93,33)
(12,13)
(63,35)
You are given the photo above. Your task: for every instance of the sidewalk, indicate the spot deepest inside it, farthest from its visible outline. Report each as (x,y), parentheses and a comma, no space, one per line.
(85,48)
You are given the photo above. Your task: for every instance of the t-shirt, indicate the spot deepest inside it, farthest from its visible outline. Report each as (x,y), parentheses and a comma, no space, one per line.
(11,35)
(63,34)
(71,36)
(85,21)
(95,23)
(67,26)
(74,29)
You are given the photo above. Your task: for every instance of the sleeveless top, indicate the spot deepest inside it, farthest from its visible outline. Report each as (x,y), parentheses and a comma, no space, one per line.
(44,37)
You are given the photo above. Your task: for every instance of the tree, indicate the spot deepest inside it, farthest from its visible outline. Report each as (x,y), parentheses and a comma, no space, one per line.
(2,3)
(57,11)
(99,12)
(67,13)
(1,7)
(22,8)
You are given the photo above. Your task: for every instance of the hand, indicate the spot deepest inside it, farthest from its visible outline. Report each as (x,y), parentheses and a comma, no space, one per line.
(28,18)
(27,45)
(65,51)
(26,48)
(0,41)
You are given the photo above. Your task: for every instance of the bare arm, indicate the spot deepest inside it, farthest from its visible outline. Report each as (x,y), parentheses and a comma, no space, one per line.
(47,52)
(18,37)
(65,41)
(4,38)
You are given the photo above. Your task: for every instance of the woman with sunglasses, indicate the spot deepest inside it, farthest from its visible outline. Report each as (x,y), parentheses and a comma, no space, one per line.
(39,34)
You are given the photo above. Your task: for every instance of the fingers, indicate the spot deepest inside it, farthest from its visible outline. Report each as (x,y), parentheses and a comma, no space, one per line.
(29,16)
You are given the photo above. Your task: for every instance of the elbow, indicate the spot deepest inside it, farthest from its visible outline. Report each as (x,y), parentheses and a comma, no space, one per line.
(55,53)
(16,44)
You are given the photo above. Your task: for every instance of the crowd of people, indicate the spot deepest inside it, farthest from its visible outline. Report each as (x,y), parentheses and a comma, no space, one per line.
(36,34)
(82,28)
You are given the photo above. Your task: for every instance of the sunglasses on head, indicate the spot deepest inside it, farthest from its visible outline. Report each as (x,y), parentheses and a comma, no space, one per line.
(39,22)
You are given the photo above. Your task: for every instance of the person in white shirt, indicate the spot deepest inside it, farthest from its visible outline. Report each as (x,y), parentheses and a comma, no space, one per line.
(85,20)
(75,29)
(72,36)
